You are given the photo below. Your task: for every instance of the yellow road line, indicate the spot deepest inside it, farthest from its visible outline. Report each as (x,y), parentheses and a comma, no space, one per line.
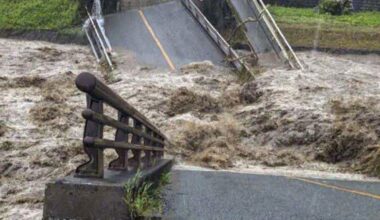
(147,25)
(374,196)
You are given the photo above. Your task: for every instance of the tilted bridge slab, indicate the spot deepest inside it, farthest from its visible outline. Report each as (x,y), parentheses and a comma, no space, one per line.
(162,35)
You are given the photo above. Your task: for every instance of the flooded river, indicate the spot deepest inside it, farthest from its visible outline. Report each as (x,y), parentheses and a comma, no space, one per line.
(324,118)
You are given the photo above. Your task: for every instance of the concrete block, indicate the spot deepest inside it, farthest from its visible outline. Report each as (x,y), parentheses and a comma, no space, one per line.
(93,198)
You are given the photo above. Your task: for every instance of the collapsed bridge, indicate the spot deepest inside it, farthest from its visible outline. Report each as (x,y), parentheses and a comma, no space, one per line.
(173,33)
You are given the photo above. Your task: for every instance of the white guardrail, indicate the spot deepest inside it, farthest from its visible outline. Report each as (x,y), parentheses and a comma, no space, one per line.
(214,34)
(278,36)
(99,43)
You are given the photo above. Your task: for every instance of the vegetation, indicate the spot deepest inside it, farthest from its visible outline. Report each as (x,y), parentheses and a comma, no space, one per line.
(310,16)
(335,7)
(39,14)
(307,28)
(144,199)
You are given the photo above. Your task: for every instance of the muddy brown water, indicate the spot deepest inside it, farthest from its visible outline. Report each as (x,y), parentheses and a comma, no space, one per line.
(274,121)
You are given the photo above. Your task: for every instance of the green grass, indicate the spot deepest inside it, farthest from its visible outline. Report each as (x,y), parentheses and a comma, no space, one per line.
(302,27)
(309,16)
(301,35)
(39,14)
(143,200)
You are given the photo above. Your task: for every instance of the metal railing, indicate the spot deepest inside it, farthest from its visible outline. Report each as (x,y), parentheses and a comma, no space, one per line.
(133,131)
(278,36)
(214,34)
(98,40)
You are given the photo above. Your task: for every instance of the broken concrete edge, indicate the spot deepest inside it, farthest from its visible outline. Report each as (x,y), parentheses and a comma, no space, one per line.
(95,198)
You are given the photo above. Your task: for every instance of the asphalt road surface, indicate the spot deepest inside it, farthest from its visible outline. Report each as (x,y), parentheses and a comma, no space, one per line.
(163,35)
(226,195)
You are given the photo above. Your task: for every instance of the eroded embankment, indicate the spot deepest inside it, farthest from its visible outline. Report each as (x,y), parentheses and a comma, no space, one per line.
(324,118)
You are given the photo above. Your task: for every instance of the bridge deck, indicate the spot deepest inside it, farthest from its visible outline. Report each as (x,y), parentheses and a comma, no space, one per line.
(226,195)
(162,34)
(257,33)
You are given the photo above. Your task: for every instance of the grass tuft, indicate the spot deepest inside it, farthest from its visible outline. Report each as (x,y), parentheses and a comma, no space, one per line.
(144,199)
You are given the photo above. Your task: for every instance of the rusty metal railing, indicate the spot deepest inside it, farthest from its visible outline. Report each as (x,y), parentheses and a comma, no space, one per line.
(134,132)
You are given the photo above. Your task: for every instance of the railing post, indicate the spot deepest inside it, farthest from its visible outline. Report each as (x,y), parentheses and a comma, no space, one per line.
(148,154)
(136,159)
(121,163)
(156,155)
(94,166)
(142,136)
(161,146)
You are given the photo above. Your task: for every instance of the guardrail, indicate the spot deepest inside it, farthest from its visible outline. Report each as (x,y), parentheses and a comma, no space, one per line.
(133,131)
(214,34)
(98,41)
(278,36)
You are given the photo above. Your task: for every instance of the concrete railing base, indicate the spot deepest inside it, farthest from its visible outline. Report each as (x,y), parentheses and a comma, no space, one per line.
(94,198)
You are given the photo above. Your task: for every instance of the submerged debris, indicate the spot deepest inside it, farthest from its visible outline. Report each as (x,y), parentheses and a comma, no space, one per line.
(184,100)
(250,92)
(26,81)
(198,67)
(54,110)
(354,137)
(209,144)
(59,88)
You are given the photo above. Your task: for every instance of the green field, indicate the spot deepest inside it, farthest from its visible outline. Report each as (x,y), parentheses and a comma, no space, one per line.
(303,27)
(39,14)
(309,16)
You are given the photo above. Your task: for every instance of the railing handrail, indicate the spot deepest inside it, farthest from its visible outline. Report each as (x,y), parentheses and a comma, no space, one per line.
(101,38)
(140,137)
(215,35)
(88,83)
(273,25)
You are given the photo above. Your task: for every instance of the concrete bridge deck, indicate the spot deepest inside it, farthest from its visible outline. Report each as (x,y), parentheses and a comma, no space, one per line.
(162,35)
(196,194)
(258,33)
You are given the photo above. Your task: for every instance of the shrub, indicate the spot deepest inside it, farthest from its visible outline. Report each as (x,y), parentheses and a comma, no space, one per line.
(335,7)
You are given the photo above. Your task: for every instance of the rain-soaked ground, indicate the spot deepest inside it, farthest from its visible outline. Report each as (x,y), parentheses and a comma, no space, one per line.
(325,118)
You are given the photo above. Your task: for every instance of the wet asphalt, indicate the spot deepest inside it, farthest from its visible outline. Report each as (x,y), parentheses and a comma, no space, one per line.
(179,33)
(226,195)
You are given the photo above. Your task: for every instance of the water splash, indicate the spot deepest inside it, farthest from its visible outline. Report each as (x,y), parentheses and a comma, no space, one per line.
(317,36)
